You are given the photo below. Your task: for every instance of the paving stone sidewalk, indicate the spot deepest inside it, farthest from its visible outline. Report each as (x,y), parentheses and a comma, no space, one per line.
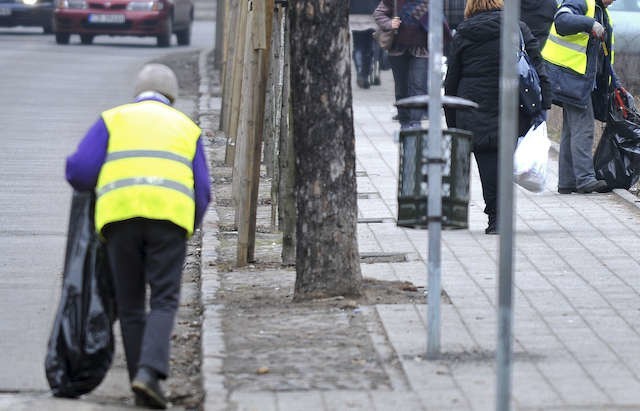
(577,302)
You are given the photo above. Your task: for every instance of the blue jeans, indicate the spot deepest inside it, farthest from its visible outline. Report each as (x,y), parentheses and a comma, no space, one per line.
(410,75)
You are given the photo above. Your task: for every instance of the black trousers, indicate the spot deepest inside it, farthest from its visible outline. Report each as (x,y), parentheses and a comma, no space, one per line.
(363,51)
(488,169)
(145,251)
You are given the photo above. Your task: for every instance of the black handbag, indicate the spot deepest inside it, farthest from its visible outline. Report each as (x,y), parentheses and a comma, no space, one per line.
(530,90)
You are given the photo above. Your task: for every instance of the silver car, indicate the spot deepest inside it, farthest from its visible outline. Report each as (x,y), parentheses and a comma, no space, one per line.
(625,15)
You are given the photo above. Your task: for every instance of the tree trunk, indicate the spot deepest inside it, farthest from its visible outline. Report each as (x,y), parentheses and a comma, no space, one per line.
(327,259)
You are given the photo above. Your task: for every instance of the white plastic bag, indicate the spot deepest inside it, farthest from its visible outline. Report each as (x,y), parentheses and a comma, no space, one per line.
(531,158)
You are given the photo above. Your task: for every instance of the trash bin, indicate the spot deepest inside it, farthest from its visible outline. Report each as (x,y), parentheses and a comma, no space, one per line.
(413,183)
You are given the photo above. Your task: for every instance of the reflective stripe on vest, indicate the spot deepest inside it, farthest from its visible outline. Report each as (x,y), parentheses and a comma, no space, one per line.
(569,51)
(148,169)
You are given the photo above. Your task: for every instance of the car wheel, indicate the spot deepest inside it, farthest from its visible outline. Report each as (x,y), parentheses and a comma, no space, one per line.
(184,36)
(164,40)
(62,38)
(86,38)
(48,28)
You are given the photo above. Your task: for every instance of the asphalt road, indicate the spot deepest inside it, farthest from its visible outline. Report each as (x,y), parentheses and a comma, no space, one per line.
(49,96)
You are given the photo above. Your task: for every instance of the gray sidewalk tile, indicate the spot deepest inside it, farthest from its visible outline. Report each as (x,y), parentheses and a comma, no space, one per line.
(395,401)
(253,401)
(295,401)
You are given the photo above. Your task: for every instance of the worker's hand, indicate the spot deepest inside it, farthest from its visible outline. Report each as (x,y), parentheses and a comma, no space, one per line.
(597,30)
(395,23)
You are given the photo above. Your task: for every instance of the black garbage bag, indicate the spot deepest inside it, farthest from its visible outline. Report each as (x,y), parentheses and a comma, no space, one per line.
(617,156)
(81,345)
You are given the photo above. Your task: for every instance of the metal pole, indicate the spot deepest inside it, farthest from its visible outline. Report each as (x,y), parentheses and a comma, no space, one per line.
(434,170)
(510,39)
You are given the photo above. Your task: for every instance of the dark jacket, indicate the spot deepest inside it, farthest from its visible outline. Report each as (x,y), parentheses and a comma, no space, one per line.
(538,14)
(573,88)
(474,73)
(362,6)
(454,12)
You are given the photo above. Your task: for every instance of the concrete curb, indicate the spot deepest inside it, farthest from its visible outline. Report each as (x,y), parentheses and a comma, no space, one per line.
(212,343)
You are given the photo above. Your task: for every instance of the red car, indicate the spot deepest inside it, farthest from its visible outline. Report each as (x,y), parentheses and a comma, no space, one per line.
(143,18)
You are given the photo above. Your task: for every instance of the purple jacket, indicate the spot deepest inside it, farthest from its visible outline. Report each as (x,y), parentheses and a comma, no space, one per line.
(83,166)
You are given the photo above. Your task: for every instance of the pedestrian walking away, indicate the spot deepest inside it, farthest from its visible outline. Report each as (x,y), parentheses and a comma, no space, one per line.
(365,50)
(146,163)
(579,52)
(474,73)
(409,55)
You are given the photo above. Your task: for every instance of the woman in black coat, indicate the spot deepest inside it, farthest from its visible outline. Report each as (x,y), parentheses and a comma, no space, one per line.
(474,73)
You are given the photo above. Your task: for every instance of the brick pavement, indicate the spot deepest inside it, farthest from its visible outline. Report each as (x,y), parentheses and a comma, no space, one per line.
(577,302)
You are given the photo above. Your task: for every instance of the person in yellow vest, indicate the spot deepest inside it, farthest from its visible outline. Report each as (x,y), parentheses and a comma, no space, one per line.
(579,56)
(146,163)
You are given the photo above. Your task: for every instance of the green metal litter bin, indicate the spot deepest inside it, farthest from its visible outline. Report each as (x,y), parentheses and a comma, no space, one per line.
(413,179)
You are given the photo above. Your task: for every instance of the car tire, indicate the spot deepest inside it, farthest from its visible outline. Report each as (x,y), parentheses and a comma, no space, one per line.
(47,28)
(86,39)
(164,39)
(184,36)
(62,38)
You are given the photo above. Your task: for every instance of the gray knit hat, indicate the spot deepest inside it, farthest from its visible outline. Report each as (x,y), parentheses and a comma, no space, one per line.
(159,78)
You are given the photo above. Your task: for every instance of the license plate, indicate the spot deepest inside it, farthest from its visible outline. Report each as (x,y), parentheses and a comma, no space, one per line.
(5,11)
(106,18)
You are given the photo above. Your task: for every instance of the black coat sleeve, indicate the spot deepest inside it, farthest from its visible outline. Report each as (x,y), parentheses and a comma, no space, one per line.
(452,79)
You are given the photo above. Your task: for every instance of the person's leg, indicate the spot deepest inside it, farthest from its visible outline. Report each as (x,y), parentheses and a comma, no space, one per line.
(582,129)
(488,169)
(566,178)
(126,258)
(367,52)
(376,62)
(165,249)
(400,69)
(418,85)
(360,44)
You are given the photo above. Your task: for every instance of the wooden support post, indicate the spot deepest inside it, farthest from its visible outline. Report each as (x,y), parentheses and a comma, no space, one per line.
(287,160)
(237,76)
(246,176)
(272,135)
(220,30)
(228,69)
(270,99)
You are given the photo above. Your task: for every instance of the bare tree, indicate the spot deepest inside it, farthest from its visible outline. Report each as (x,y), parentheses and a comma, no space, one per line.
(327,259)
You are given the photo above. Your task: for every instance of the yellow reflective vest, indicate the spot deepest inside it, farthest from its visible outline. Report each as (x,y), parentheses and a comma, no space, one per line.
(571,51)
(148,169)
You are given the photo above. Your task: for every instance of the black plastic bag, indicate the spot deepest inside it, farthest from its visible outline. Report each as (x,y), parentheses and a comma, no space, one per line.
(81,345)
(617,157)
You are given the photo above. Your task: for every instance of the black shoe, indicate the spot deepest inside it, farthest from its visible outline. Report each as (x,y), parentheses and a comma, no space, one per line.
(141,401)
(492,227)
(599,186)
(568,190)
(147,389)
(363,82)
